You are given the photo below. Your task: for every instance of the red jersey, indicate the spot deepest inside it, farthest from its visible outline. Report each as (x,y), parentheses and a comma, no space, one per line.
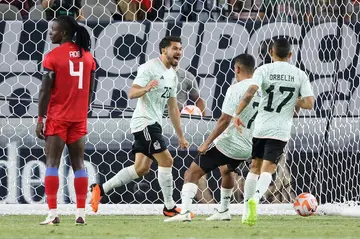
(70,90)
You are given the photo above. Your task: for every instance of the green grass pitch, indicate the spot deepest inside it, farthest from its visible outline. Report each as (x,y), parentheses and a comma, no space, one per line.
(133,227)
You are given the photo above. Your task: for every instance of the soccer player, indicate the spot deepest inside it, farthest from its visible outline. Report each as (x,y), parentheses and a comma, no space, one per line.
(224,147)
(284,88)
(188,88)
(64,98)
(154,86)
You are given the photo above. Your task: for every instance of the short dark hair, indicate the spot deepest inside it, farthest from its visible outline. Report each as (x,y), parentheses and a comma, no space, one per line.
(281,47)
(247,61)
(166,41)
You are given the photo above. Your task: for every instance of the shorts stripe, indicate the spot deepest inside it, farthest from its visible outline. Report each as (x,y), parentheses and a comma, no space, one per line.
(147,134)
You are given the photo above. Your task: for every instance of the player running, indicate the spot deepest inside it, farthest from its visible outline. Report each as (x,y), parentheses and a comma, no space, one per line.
(283,87)
(64,98)
(155,86)
(229,149)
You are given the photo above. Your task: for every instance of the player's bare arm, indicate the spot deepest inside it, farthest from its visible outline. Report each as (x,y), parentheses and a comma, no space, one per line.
(306,102)
(174,115)
(201,104)
(92,84)
(222,123)
(137,91)
(245,100)
(44,98)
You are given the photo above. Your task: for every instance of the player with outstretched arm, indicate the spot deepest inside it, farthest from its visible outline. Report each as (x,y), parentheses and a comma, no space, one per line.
(225,147)
(155,86)
(284,88)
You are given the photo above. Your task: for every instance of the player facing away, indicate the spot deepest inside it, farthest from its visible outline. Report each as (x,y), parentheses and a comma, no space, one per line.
(155,86)
(64,98)
(224,147)
(284,88)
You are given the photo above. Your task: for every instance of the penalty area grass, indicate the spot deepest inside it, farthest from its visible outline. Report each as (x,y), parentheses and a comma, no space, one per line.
(133,227)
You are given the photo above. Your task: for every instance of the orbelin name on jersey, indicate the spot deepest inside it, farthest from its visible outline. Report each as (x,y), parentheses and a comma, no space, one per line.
(280,77)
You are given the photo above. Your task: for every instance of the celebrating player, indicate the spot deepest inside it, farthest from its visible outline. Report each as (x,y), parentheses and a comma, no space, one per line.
(283,87)
(229,147)
(155,86)
(64,98)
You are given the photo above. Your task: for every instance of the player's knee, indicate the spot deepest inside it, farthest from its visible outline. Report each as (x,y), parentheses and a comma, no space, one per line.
(193,176)
(268,167)
(142,169)
(166,161)
(51,163)
(255,169)
(224,171)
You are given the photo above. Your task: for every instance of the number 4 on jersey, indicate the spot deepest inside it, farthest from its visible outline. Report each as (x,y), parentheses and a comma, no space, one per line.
(77,73)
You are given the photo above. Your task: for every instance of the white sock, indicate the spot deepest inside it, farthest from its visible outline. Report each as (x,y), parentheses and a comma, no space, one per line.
(124,176)
(187,194)
(262,185)
(225,198)
(53,212)
(166,183)
(249,189)
(80,213)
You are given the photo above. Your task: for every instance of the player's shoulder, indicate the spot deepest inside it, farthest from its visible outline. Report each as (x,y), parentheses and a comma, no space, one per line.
(243,84)
(149,65)
(54,51)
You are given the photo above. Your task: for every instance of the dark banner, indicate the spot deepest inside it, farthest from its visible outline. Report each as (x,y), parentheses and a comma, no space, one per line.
(323,153)
(119,48)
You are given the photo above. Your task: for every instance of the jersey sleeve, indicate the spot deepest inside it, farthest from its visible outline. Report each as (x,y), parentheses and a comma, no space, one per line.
(305,88)
(229,104)
(258,77)
(49,62)
(93,67)
(143,77)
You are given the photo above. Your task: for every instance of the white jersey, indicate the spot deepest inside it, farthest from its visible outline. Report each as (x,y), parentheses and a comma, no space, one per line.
(150,107)
(281,84)
(231,143)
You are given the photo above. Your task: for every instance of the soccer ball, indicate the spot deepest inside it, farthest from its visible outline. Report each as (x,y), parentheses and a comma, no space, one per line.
(305,204)
(191,110)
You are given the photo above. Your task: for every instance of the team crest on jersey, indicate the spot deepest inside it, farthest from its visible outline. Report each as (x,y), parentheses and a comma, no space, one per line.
(157,145)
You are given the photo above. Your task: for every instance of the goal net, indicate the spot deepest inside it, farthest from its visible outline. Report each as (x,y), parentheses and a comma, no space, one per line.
(322,156)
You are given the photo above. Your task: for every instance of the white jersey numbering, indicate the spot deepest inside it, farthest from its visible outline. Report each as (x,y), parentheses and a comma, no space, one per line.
(150,107)
(281,84)
(231,143)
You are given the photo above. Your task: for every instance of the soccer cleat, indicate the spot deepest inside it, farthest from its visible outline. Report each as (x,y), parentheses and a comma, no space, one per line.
(186,217)
(220,216)
(171,212)
(96,194)
(51,220)
(80,221)
(174,211)
(251,217)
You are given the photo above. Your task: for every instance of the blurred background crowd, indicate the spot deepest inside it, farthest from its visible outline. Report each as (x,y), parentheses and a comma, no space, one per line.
(182,10)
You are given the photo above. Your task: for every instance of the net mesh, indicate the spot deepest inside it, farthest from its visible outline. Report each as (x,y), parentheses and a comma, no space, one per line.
(322,156)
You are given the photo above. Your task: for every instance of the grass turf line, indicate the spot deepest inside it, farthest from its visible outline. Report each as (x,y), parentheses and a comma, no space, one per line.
(133,227)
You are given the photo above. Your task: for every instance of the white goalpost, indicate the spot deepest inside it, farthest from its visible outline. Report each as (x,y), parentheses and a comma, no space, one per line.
(322,157)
